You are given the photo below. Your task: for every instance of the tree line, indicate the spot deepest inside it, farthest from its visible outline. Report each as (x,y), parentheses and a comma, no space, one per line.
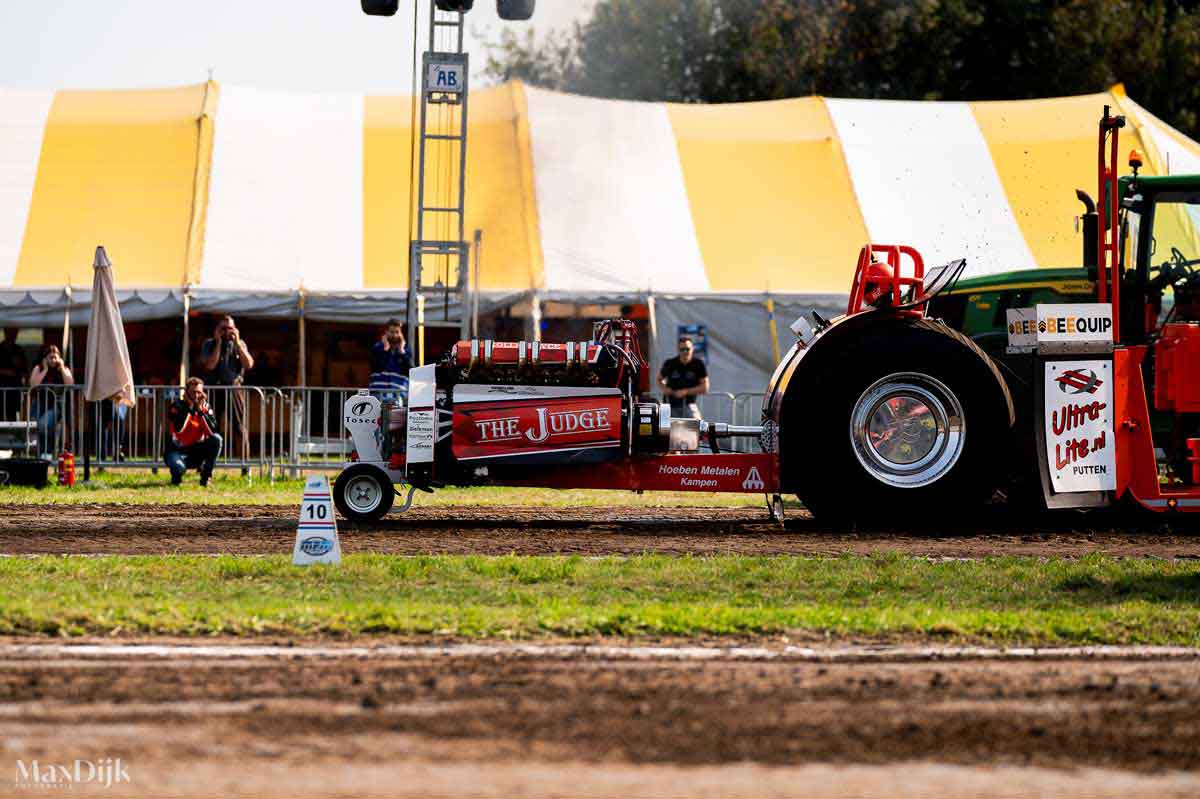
(717,51)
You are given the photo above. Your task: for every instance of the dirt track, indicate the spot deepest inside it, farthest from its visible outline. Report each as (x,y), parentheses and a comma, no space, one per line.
(504,726)
(140,529)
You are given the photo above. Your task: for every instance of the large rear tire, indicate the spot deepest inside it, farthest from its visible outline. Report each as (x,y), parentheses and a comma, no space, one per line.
(907,423)
(363,493)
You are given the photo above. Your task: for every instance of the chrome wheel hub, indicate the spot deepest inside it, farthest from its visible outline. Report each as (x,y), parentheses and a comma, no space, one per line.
(907,429)
(363,494)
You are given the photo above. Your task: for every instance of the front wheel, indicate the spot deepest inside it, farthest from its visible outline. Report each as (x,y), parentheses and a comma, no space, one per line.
(363,493)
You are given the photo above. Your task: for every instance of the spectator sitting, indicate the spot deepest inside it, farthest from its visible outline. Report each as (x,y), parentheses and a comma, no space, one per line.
(193,442)
(45,404)
(682,379)
(390,364)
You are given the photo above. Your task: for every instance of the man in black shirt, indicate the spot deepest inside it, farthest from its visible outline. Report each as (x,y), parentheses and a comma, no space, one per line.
(682,379)
(225,359)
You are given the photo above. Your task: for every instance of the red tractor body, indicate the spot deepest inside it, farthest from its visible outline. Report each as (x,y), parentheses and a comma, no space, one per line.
(883,414)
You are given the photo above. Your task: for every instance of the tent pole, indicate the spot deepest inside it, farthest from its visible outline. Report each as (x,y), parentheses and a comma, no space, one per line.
(303,378)
(68,351)
(87,444)
(183,356)
(73,421)
(770,303)
(475,285)
(652,316)
(535,315)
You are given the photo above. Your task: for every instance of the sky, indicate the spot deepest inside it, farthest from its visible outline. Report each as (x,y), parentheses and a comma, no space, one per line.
(302,45)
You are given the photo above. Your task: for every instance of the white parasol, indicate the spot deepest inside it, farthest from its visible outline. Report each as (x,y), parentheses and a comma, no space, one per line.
(108,372)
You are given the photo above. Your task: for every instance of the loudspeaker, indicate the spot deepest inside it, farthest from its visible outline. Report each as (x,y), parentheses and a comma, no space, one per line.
(381,8)
(515,9)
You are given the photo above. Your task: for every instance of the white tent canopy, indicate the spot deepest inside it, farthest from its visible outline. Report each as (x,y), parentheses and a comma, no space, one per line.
(243,200)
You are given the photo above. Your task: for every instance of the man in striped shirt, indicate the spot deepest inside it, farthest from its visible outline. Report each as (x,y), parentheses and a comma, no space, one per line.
(390,363)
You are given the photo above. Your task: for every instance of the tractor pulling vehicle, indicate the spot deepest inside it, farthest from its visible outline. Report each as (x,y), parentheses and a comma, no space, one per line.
(884,413)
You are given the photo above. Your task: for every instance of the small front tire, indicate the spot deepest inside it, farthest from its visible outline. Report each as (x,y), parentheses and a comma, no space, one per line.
(363,493)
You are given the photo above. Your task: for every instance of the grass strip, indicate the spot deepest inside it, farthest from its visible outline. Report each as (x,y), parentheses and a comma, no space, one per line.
(1095,600)
(142,487)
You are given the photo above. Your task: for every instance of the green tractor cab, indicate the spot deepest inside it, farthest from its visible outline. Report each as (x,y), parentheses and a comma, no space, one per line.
(977,306)
(1157,251)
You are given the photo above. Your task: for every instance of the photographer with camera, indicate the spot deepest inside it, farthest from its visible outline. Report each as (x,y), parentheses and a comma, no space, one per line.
(390,364)
(225,359)
(192,439)
(45,404)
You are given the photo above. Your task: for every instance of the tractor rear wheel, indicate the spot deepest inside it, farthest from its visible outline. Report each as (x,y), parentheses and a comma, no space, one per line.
(363,493)
(908,422)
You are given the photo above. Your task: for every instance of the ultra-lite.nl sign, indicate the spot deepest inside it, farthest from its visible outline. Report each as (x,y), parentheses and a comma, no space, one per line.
(1080,445)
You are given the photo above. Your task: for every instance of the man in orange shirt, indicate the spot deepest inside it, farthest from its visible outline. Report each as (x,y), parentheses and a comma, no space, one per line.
(192,439)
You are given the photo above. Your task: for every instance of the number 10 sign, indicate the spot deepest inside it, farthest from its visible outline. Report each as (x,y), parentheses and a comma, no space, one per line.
(316,535)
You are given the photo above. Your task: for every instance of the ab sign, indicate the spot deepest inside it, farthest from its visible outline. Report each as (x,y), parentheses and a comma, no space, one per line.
(445,77)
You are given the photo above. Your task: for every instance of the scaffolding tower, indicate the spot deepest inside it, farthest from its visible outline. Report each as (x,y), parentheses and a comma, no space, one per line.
(439,286)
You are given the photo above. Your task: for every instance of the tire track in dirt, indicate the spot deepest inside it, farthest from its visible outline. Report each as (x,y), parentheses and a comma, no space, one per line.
(269,529)
(1134,715)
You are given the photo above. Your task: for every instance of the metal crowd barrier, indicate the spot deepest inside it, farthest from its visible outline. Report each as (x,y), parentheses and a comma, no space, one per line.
(716,406)
(317,437)
(35,420)
(747,410)
(46,420)
(248,421)
(283,430)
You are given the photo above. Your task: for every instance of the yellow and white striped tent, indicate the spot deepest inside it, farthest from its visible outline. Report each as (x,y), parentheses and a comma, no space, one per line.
(248,196)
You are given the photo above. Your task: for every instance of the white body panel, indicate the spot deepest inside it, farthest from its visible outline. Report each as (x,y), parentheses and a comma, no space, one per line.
(360,414)
(422,416)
